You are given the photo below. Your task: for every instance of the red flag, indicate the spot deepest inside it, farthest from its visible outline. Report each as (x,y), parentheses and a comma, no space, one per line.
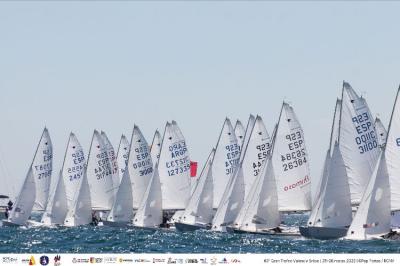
(193,169)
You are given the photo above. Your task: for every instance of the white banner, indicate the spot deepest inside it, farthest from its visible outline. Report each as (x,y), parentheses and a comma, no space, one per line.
(200,259)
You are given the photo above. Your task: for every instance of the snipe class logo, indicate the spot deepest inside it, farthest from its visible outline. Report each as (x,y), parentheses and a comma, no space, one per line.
(44,260)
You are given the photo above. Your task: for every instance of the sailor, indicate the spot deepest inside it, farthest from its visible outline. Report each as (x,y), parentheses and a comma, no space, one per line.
(7,212)
(164,221)
(95,221)
(10,205)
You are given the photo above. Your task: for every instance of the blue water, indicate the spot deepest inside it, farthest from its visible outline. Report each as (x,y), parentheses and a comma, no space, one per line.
(89,239)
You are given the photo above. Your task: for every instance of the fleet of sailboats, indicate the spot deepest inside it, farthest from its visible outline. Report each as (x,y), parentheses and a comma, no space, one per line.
(248,183)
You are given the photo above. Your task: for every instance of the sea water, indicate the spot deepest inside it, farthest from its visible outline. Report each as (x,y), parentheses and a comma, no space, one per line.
(103,239)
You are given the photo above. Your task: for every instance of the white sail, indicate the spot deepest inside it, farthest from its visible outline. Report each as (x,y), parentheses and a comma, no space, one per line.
(122,210)
(231,202)
(333,139)
(392,153)
(380,131)
(73,169)
(260,211)
(155,147)
(80,213)
(226,159)
(174,169)
(140,166)
(358,141)
(42,169)
(122,157)
(199,209)
(249,128)
(23,206)
(149,213)
(372,218)
(290,162)
(254,154)
(334,207)
(112,157)
(239,133)
(99,174)
(57,208)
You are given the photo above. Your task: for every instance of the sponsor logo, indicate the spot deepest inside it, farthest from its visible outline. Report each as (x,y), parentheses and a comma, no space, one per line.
(213,261)
(203,261)
(44,260)
(223,261)
(122,260)
(57,260)
(110,260)
(191,261)
(9,260)
(96,260)
(79,260)
(32,261)
(142,260)
(300,183)
(233,261)
(158,260)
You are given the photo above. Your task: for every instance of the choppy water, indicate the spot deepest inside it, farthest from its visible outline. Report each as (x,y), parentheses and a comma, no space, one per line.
(89,239)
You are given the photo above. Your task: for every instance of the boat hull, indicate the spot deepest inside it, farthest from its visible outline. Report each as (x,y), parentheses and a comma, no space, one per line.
(183,227)
(115,224)
(323,233)
(11,224)
(267,232)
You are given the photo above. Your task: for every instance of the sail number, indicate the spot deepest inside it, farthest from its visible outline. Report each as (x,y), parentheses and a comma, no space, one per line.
(232,157)
(263,151)
(366,139)
(178,165)
(297,155)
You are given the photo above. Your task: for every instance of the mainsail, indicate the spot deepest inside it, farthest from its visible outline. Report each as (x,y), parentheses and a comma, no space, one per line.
(254,153)
(57,208)
(199,209)
(149,213)
(73,169)
(290,163)
(140,166)
(358,141)
(41,170)
(226,159)
(112,158)
(174,169)
(99,175)
(23,206)
(80,212)
(122,157)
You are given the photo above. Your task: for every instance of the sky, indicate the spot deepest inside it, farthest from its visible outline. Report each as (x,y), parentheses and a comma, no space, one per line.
(76,66)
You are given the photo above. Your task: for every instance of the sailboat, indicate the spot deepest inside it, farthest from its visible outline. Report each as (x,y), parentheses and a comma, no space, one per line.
(380,131)
(174,171)
(140,166)
(199,212)
(76,184)
(121,213)
(239,132)
(150,211)
(381,197)
(99,176)
(113,160)
(35,189)
(290,163)
(358,141)
(251,159)
(122,157)
(331,214)
(57,207)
